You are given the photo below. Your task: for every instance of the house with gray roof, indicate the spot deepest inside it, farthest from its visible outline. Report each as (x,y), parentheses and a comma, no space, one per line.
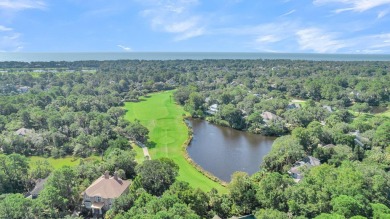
(293,106)
(23,131)
(359,140)
(39,185)
(329,108)
(270,117)
(297,171)
(23,89)
(213,109)
(329,146)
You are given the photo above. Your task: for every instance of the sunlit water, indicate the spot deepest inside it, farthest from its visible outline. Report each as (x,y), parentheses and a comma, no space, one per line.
(222,150)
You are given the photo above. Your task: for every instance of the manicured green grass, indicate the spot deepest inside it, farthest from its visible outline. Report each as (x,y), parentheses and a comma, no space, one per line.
(367,116)
(386,113)
(164,119)
(364,116)
(60,162)
(300,102)
(139,157)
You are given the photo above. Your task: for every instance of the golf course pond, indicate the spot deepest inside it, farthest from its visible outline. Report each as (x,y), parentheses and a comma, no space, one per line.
(223,151)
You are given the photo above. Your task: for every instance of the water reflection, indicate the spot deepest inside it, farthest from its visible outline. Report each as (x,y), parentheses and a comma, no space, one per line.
(222,150)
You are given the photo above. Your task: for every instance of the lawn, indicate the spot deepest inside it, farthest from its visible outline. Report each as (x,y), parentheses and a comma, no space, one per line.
(164,119)
(366,116)
(386,113)
(60,162)
(300,102)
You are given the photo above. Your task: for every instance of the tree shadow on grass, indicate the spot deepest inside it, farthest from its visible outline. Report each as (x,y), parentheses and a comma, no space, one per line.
(150,144)
(136,100)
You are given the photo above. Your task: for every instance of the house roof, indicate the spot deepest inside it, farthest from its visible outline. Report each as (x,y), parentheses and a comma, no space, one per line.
(269,116)
(295,170)
(214,106)
(297,180)
(243,217)
(300,166)
(251,216)
(40,183)
(107,187)
(22,131)
(293,106)
(312,161)
(213,109)
(329,146)
(97,205)
(329,108)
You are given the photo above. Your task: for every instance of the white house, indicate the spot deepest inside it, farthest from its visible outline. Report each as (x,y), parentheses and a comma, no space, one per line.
(23,89)
(213,109)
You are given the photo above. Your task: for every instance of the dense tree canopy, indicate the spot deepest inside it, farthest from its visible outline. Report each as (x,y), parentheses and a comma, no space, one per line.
(157,175)
(323,109)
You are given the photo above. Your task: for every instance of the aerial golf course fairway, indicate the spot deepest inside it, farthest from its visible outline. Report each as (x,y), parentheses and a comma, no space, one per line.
(164,119)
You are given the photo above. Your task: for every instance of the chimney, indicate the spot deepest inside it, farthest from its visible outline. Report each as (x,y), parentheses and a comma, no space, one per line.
(106,174)
(116,175)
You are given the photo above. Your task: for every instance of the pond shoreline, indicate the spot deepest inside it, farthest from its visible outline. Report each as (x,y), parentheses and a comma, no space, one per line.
(163,118)
(220,151)
(193,163)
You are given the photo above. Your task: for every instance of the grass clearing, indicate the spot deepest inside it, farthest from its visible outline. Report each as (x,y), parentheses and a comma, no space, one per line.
(386,113)
(164,119)
(368,116)
(61,162)
(300,102)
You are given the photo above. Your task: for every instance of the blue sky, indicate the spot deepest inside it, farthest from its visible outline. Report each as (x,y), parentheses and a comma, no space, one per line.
(304,26)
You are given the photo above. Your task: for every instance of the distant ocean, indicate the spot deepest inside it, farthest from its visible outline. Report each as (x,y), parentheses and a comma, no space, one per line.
(100,56)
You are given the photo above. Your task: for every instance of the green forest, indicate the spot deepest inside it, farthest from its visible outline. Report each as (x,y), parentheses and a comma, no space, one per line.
(73,115)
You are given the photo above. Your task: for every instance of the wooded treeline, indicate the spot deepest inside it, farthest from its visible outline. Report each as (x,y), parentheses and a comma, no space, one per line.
(75,108)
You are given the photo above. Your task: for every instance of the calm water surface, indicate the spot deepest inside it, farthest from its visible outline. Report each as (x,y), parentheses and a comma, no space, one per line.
(222,150)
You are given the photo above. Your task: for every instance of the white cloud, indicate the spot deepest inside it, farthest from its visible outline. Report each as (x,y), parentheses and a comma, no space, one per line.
(288,13)
(186,29)
(181,26)
(4,28)
(10,42)
(271,35)
(17,5)
(378,41)
(290,36)
(318,41)
(381,14)
(125,48)
(374,43)
(279,29)
(268,39)
(174,16)
(354,5)
(190,34)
